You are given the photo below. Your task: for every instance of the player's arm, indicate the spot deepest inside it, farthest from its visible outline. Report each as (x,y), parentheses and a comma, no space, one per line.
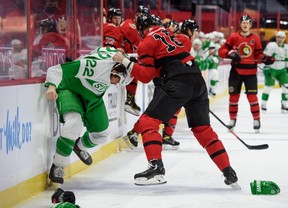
(53,78)
(144,73)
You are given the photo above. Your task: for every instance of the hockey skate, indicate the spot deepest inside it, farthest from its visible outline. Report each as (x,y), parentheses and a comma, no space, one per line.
(154,175)
(212,92)
(231,177)
(56,174)
(83,155)
(284,109)
(169,143)
(256,126)
(131,106)
(263,107)
(131,139)
(231,124)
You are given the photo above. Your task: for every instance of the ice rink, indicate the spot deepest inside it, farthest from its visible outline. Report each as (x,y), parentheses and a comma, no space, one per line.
(193,181)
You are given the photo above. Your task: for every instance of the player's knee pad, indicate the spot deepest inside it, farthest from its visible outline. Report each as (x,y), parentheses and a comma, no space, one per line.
(214,74)
(99,137)
(267,89)
(252,98)
(234,98)
(147,123)
(73,125)
(204,135)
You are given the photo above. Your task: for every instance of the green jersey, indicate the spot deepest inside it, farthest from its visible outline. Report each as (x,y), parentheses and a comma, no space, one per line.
(89,75)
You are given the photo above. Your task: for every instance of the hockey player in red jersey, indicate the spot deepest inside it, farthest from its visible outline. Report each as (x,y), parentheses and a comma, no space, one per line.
(130,41)
(51,38)
(188,32)
(160,55)
(245,50)
(111,32)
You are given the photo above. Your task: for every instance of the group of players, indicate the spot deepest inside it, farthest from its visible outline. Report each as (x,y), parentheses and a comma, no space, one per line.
(178,83)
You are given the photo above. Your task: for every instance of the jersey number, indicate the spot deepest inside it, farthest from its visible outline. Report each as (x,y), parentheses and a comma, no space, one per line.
(168,40)
(88,71)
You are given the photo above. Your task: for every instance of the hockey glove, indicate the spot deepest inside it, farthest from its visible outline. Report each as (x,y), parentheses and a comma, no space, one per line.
(268,60)
(236,58)
(133,59)
(63,196)
(259,187)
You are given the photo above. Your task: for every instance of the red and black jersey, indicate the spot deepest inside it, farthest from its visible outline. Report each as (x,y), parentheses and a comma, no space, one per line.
(130,36)
(249,48)
(156,51)
(185,40)
(111,35)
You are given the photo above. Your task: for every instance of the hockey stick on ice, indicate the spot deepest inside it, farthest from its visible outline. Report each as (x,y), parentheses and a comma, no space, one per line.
(250,147)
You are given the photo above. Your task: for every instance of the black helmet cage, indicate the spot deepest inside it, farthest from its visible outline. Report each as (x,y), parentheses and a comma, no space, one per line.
(114,12)
(142,9)
(143,22)
(47,25)
(174,24)
(246,18)
(156,20)
(189,24)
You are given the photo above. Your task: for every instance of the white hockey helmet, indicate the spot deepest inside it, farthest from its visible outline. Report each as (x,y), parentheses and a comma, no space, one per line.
(281,34)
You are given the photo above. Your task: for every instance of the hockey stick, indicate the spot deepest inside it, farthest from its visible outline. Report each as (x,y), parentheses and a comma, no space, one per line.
(250,147)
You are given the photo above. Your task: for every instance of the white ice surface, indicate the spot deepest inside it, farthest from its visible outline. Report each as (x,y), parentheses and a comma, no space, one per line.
(193,180)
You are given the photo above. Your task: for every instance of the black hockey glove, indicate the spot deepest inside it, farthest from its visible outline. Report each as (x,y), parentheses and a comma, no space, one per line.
(63,196)
(133,59)
(236,58)
(268,60)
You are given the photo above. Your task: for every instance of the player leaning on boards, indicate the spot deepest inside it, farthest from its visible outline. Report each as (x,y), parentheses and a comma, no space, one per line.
(276,71)
(78,88)
(245,50)
(160,55)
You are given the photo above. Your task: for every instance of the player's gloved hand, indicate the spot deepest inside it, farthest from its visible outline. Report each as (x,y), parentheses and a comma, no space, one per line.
(236,58)
(259,187)
(268,60)
(133,59)
(63,196)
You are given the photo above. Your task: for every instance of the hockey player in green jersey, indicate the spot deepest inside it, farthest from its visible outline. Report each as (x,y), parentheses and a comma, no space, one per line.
(212,62)
(78,88)
(276,71)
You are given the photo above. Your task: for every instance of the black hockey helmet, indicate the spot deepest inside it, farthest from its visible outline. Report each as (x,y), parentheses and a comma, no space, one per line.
(47,25)
(245,18)
(189,24)
(143,22)
(142,9)
(156,20)
(114,12)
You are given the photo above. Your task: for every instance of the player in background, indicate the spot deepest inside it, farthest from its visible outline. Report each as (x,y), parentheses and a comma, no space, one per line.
(48,37)
(276,71)
(245,50)
(130,41)
(212,62)
(160,55)
(78,88)
(196,53)
(71,40)
(172,25)
(111,33)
